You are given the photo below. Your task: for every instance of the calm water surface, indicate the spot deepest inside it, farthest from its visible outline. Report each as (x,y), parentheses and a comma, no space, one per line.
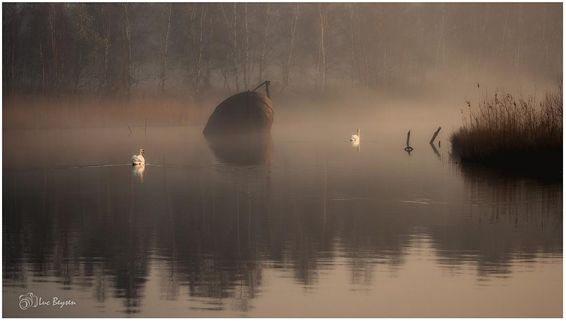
(297,224)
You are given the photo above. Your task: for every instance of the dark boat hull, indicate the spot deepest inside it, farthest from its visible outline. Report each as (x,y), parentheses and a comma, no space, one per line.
(243,113)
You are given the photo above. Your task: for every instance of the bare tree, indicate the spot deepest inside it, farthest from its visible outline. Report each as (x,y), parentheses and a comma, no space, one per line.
(42,61)
(164,49)
(128,48)
(198,64)
(54,51)
(105,79)
(441,41)
(235,46)
(354,68)
(322,66)
(246,46)
(263,50)
(287,65)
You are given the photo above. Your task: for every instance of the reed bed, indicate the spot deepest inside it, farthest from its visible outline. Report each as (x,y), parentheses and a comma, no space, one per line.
(503,130)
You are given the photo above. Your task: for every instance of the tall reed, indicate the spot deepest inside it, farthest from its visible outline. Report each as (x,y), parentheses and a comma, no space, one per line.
(510,131)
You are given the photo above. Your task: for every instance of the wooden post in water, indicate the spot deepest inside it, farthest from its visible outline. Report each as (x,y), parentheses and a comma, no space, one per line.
(434,135)
(408,148)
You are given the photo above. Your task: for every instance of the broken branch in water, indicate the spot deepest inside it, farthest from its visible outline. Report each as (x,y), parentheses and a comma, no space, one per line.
(434,135)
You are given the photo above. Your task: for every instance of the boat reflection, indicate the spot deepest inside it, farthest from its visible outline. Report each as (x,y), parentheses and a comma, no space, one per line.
(242,150)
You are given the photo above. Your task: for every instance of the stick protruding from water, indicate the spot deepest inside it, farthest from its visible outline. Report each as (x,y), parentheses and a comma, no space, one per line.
(408,147)
(434,135)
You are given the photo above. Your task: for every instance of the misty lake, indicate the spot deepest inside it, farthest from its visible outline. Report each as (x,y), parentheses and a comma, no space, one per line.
(301,223)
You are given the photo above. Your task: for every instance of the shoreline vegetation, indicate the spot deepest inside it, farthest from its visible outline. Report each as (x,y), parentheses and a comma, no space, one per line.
(512,133)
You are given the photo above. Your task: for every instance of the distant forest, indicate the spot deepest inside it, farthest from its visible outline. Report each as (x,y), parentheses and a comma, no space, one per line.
(119,49)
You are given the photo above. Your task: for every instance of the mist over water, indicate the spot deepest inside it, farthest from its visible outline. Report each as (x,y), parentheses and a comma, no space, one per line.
(299,222)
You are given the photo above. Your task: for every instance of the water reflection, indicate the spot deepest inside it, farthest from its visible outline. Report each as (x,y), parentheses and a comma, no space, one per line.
(212,232)
(249,149)
(138,171)
(506,214)
(435,150)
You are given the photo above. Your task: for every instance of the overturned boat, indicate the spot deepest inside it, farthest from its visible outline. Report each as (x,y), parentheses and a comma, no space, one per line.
(245,113)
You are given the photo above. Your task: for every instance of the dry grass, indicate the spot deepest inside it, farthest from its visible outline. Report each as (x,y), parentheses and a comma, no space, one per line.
(512,132)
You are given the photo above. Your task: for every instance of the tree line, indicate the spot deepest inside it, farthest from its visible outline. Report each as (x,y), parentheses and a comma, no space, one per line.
(116,49)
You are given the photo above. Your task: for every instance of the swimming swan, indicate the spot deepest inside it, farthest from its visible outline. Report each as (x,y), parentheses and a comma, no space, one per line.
(355,139)
(138,159)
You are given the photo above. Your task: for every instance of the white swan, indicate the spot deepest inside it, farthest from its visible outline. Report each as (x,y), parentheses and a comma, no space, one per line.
(355,139)
(138,159)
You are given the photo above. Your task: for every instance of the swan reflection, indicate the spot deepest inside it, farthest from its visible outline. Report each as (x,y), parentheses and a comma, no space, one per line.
(138,171)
